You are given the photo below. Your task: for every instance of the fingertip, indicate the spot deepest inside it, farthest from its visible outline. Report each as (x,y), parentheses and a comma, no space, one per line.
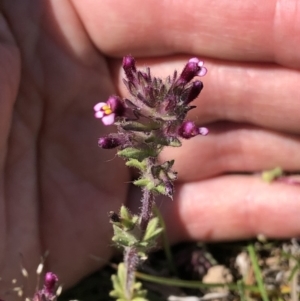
(232,207)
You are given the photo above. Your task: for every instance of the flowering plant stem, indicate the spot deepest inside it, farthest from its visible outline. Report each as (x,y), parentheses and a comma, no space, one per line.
(147,205)
(153,118)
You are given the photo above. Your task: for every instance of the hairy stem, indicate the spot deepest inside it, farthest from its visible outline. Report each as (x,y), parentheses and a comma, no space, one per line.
(146,210)
(131,260)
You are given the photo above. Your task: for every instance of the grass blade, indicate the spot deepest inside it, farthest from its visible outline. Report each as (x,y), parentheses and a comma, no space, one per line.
(257,272)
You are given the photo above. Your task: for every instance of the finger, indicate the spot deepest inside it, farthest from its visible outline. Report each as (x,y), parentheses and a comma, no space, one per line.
(232,207)
(264,95)
(254,30)
(231,147)
(9,81)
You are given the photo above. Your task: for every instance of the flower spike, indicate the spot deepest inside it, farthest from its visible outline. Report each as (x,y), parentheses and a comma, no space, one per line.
(152,118)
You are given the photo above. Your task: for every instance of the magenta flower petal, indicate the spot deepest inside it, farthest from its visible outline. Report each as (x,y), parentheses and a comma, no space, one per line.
(109,119)
(99,106)
(203,131)
(99,114)
(200,64)
(195,60)
(108,111)
(202,71)
(116,105)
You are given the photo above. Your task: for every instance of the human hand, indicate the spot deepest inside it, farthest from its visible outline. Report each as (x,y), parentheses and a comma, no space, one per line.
(58,186)
(250,103)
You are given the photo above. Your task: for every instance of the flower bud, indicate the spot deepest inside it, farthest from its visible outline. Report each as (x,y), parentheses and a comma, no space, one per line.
(188,129)
(129,67)
(50,282)
(194,91)
(193,68)
(109,142)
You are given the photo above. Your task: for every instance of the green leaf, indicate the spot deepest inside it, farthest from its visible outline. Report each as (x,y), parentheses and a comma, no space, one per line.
(154,235)
(172,175)
(118,282)
(139,127)
(135,153)
(153,229)
(142,182)
(123,238)
(137,164)
(124,213)
(150,186)
(140,298)
(122,273)
(118,290)
(174,142)
(119,287)
(160,189)
(168,164)
(128,220)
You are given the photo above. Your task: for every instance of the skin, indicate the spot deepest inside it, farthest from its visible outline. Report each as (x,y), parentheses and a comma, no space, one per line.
(59,58)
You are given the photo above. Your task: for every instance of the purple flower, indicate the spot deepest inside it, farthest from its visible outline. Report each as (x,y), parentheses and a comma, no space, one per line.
(129,67)
(47,293)
(188,130)
(193,68)
(50,282)
(108,111)
(201,70)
